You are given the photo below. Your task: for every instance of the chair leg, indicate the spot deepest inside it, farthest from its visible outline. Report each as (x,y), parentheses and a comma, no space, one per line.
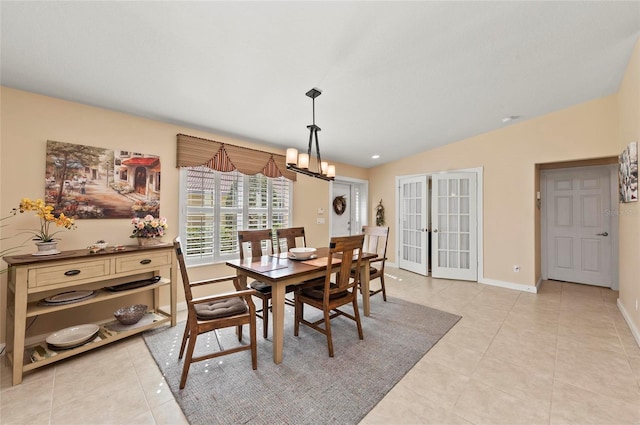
(239,332)
(185,336)
(384,291)
(187,361)
(356,314)
(327,327)
(265,317)
(252,337)
(297,315)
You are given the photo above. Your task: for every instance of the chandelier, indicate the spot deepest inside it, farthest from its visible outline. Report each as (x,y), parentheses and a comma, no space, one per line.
(300,163)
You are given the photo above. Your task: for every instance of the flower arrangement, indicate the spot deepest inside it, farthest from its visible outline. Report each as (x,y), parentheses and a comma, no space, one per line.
(45,212)
(148,227)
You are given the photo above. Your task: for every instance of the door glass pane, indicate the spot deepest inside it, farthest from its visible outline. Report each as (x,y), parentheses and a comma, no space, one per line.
(442,223)
(464,260)
(464,187)
(464,205)
(453,241)
(453,223)
(453,187)
(442,187)
(464,223)
(464,241)
(453,259)
(453,205)
(442,241)
(442,258)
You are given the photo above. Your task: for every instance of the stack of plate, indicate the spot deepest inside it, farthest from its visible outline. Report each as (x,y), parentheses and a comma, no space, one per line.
(68,297)
(72,337)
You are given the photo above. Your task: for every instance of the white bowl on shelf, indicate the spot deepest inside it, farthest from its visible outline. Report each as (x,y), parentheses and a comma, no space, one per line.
(73,336)
(301,253)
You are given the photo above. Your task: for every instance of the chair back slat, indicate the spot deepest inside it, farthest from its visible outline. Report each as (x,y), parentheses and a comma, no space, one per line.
(348,248)
(291,237)
(254,239)
(376,239)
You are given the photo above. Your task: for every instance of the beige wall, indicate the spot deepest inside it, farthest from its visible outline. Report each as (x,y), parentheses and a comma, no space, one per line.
(508,157)
(629,131)
(29,120)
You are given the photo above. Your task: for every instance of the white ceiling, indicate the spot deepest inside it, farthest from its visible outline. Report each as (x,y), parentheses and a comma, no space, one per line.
(397,77)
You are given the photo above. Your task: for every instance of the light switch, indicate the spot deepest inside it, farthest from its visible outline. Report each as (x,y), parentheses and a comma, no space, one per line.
(320,210)
(320,220)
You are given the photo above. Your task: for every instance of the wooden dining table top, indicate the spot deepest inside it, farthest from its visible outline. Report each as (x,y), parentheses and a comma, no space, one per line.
(275,267)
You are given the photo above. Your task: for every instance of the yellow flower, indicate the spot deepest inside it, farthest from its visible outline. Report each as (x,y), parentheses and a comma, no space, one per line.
(45,212)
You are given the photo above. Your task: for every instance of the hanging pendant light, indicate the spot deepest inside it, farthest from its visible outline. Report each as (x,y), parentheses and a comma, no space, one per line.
(300,163)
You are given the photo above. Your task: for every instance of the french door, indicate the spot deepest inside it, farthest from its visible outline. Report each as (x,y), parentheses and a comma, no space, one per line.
(454,226)
(413,233)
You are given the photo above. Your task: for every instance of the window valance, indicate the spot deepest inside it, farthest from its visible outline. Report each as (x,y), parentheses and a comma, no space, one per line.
(195,151)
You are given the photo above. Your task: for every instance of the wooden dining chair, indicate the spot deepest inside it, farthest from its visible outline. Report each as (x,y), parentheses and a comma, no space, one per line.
(258,243)
(291,237)
(375,241)
(329,295)
(206,314)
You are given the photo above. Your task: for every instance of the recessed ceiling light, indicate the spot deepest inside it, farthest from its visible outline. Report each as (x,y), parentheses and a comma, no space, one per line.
(510,118)
(375,156)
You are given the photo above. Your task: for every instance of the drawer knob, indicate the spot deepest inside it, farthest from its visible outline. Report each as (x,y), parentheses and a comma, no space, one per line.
(147,261)
(72,272)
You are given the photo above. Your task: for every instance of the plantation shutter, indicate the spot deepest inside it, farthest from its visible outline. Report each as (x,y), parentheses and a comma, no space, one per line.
(200,214)
(231,204)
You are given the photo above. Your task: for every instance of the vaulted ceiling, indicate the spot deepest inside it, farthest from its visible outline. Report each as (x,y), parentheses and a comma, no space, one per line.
(397,77)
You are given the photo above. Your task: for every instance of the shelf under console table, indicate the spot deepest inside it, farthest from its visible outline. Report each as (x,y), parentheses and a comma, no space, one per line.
(33,278)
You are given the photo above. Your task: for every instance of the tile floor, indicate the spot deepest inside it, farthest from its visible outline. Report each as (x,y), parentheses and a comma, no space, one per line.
(562,356)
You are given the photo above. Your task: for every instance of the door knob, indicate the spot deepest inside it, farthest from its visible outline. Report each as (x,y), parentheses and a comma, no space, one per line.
(435,230)
(602,234)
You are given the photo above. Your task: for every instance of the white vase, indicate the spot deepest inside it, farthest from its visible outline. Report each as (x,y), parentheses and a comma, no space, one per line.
(47,248)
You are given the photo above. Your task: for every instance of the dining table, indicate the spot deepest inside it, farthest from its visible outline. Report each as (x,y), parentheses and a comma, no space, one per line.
(280,271)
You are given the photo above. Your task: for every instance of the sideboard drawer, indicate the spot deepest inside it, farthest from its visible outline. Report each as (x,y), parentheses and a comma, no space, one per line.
(143,260)
(54,275)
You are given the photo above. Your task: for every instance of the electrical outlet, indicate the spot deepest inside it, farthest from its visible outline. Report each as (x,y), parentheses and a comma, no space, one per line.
(516,268)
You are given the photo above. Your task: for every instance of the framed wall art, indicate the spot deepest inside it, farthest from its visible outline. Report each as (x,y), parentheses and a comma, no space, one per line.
(628,173)
(86,182)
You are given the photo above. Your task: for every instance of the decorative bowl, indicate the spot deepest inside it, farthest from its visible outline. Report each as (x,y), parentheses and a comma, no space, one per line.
(101,244)
(130,315)
(301,253)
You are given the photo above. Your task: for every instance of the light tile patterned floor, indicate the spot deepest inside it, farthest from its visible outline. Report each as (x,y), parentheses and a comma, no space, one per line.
(562,356)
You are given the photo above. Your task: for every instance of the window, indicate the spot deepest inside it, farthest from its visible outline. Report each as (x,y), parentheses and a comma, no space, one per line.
(215,205)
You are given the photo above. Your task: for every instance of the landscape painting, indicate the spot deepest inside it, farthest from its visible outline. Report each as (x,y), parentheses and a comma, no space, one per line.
(86,182)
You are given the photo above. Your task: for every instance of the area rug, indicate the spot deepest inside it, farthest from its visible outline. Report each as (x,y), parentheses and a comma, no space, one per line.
(308,387)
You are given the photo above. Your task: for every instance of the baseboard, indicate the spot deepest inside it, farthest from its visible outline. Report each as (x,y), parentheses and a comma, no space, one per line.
(627,318)
(510,285)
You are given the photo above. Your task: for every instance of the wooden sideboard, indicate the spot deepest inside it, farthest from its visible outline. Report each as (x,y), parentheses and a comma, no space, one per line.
(31,279)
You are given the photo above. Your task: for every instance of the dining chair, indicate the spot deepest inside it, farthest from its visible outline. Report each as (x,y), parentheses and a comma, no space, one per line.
(206,314)
(328,295)
(291,237)
(375,241)
(258,243)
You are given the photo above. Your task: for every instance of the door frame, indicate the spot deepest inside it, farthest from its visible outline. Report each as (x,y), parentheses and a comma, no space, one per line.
(363,206)
(613,217)
(479,213)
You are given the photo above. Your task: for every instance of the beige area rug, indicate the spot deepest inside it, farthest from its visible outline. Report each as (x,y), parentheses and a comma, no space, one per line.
(308,387)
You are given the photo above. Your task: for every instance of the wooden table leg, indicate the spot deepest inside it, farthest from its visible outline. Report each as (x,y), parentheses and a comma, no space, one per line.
(277,311)
(364,283)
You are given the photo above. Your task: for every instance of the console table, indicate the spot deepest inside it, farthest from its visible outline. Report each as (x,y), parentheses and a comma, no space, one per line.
(34,278)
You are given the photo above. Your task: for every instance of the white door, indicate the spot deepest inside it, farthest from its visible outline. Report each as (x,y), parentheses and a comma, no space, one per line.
(578,231)
(348,206)
(454,226)
(413,233)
